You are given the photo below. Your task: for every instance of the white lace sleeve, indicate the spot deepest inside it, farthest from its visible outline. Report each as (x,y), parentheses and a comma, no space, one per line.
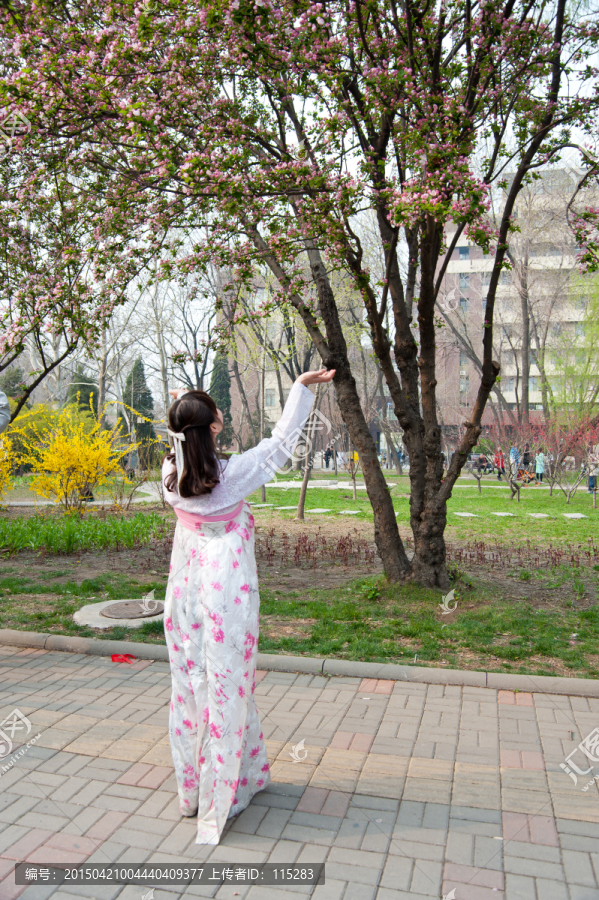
(4,411)
(246,472)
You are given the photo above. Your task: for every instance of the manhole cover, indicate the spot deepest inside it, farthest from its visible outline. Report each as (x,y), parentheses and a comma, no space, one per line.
(133,609)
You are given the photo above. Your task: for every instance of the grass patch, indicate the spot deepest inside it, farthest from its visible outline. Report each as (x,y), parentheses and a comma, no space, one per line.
(33,604)
(70,533)
(519,527)
(377,622)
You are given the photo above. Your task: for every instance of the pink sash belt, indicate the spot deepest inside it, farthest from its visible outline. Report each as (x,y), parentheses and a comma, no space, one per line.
(193,520)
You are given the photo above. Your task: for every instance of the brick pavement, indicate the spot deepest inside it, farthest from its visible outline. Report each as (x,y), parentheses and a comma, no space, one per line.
(406,791)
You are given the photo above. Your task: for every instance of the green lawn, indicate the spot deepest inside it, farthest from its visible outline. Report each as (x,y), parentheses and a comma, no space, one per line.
(519,527)
(369,620)
(511,617)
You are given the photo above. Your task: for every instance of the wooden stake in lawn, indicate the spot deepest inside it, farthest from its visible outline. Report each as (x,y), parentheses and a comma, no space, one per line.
(307,458)
(353,466)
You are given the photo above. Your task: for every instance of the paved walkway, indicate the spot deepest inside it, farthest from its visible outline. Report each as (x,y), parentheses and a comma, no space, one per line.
(407,790)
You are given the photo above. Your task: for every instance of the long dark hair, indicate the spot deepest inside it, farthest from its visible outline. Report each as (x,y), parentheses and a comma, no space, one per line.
(193,414)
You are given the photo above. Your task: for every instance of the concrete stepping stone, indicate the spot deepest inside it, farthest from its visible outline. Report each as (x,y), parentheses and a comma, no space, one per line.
(468,515)
(261,505)
(574,516)
(504,514)
(350,512)
(91,616)
(318,510)
(539,515)
(286,507)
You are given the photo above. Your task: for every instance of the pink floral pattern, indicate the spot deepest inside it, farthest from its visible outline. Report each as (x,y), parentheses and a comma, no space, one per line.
(215,733)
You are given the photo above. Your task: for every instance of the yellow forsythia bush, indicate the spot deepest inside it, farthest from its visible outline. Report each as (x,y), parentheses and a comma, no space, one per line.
(72,458)
(5,465)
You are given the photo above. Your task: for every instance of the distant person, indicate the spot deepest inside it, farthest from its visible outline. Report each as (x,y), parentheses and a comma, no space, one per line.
(514,459)
(499,463)
(593,469)
(4,411)
(328,455)
(526,457)
(539,465)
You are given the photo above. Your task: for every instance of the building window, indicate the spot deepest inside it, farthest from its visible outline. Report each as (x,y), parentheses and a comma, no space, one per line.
(464,384)
(463,359)
(464,252)
(464,281)
(509,384)
(269,397)
(532,384)
(485,279)
(463,305)
(556,329)
(580,303)
(506,277)
(579,329)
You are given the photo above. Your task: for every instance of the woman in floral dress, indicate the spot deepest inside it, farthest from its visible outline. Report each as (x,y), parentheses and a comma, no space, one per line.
(212,603)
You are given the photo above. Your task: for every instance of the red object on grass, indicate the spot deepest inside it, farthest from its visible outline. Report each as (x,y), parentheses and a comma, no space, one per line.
(122,657)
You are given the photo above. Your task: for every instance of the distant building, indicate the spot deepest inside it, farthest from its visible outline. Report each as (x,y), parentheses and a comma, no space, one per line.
(543,286)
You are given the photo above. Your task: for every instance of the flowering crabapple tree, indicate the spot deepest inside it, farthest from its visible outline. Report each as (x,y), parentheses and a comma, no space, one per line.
(56,290)
(275,124)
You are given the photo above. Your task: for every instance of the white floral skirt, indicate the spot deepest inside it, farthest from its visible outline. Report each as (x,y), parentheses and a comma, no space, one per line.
(211,625)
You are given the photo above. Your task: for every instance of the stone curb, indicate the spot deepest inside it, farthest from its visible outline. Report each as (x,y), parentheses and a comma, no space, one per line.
(536,684)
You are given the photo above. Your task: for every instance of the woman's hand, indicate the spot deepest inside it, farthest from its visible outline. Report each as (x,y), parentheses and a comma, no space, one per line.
(176,392)
(321,376)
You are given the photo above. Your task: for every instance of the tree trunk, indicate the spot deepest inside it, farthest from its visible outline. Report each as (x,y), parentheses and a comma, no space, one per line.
(102,379)
(333,352)
(525,340)
(244,399)
(386,532)
(428,506)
